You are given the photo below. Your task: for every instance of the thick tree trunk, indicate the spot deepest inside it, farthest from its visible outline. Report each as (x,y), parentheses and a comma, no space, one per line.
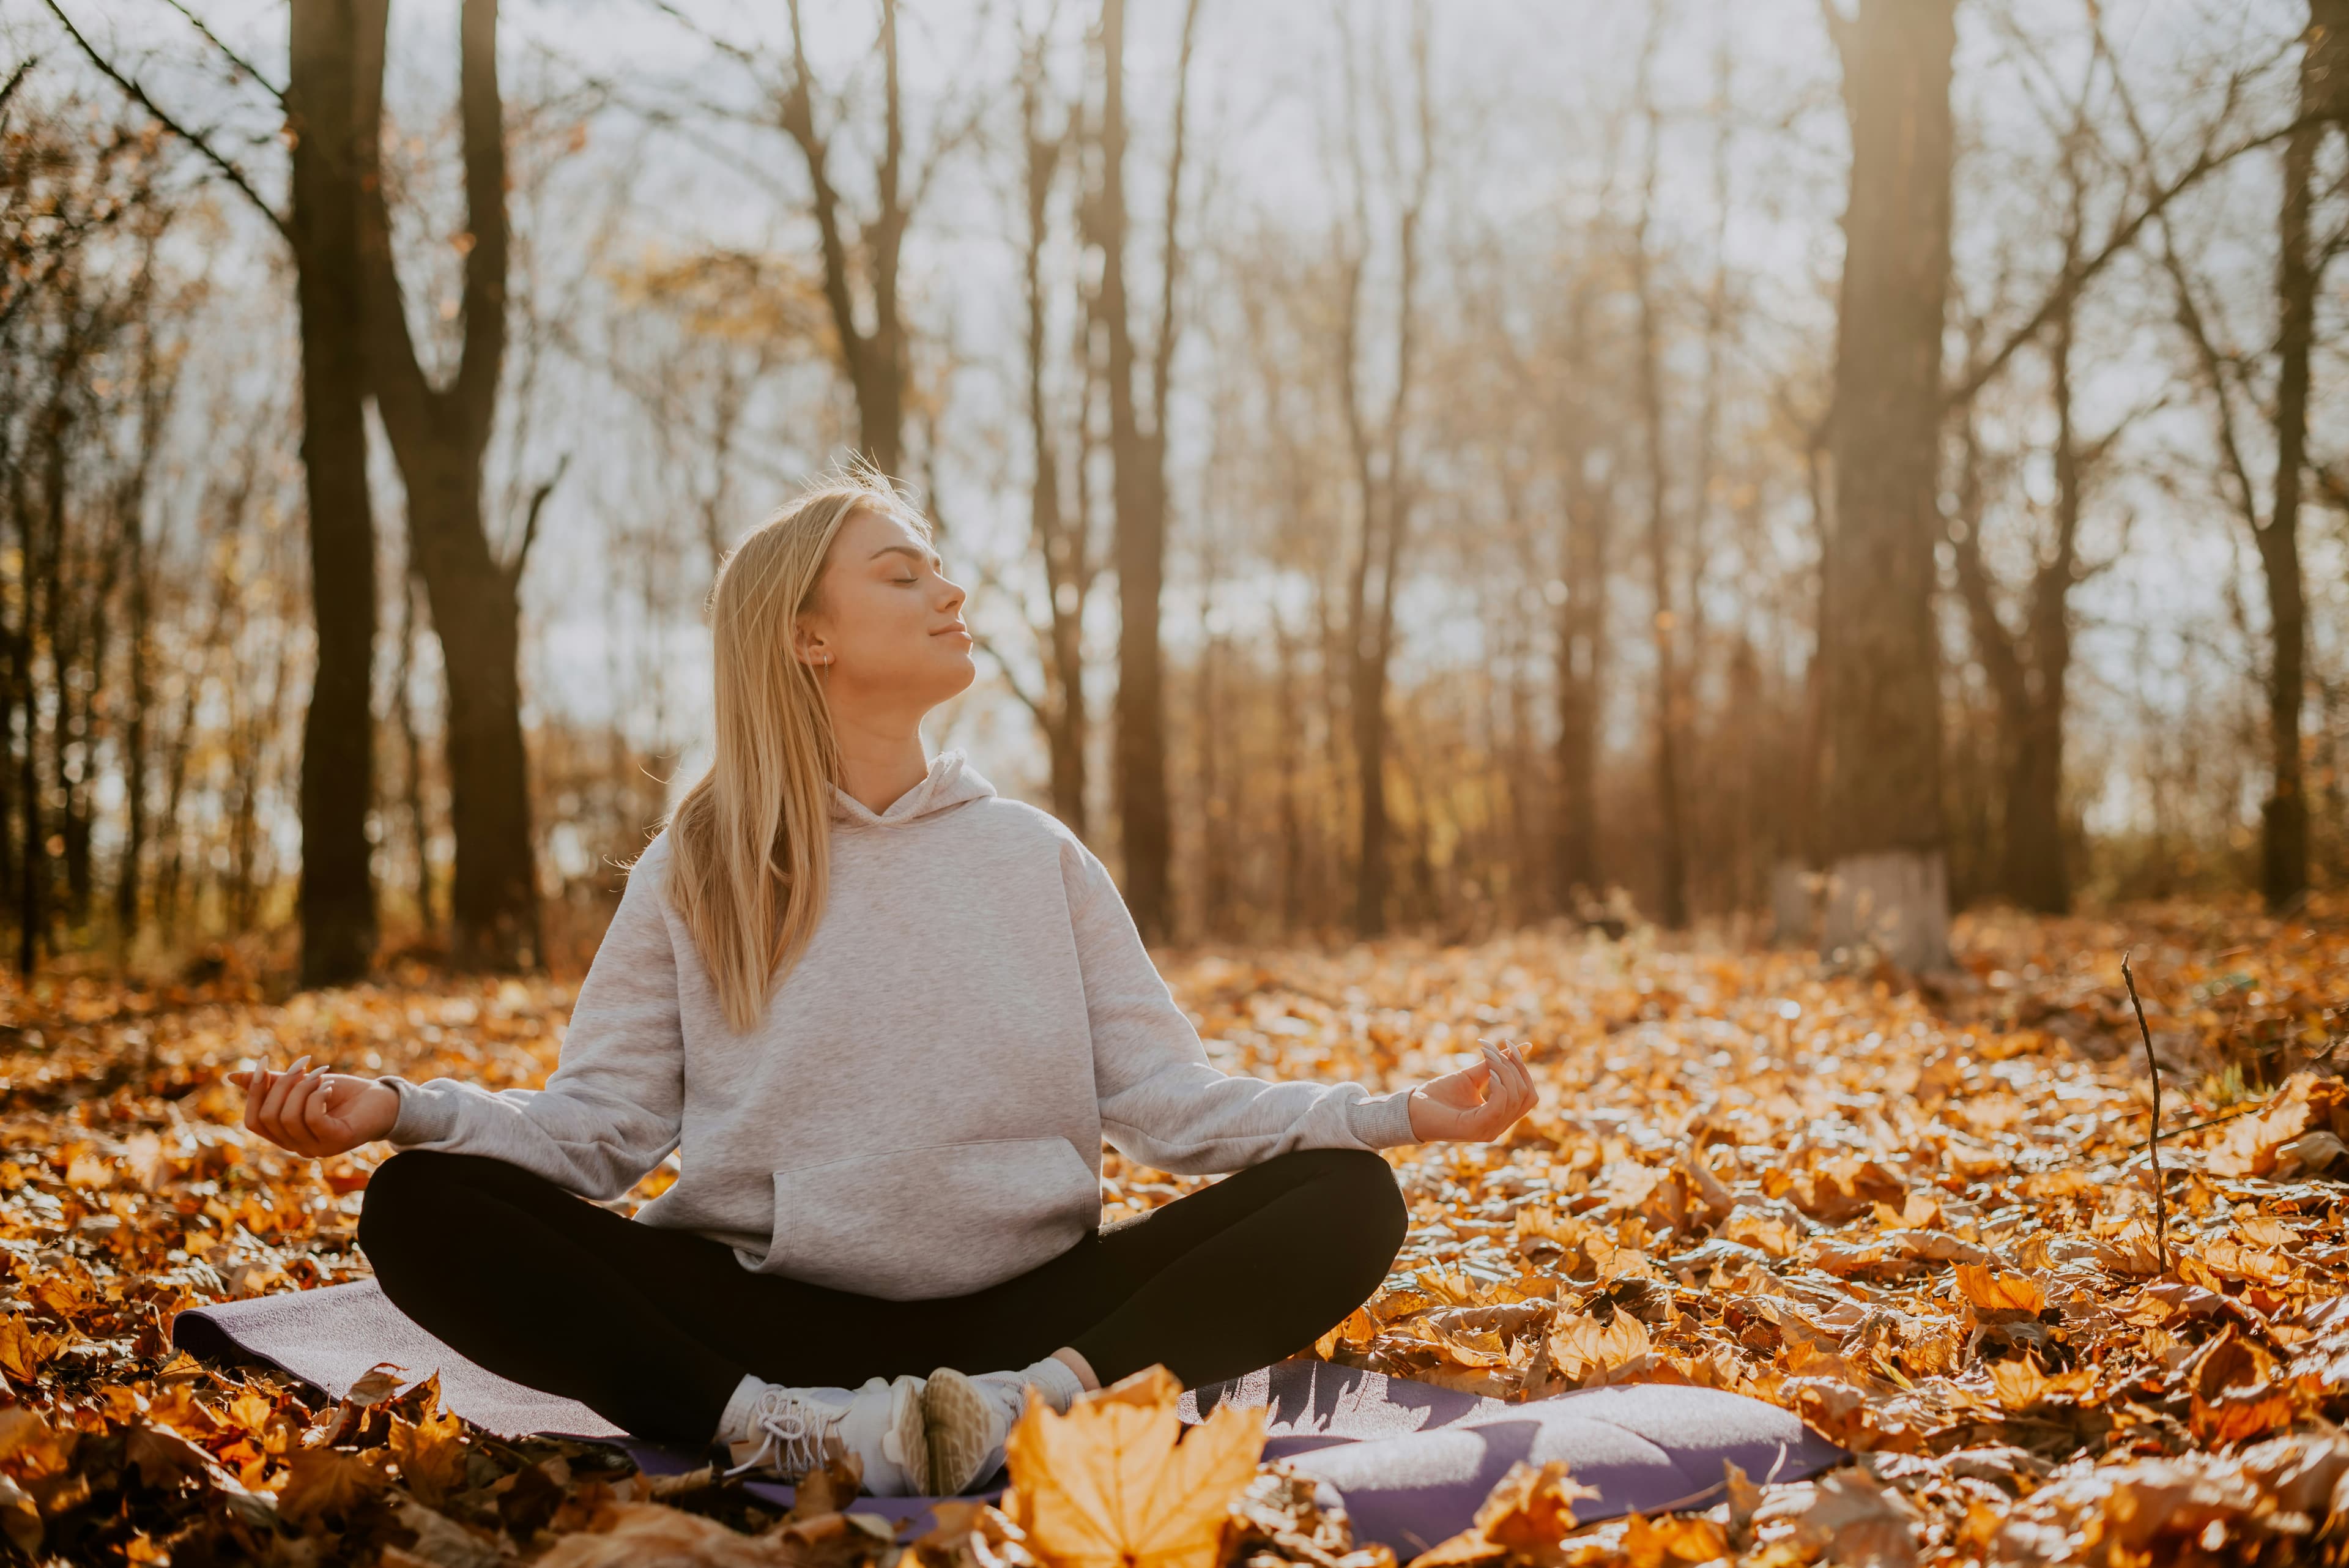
(337,889)
(1881,806)
(440,436)
(493,897)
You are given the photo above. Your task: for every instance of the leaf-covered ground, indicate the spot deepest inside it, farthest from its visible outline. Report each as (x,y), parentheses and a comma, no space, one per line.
(1924,1220)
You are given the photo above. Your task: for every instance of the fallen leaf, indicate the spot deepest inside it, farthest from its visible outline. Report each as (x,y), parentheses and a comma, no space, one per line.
(1108,1485)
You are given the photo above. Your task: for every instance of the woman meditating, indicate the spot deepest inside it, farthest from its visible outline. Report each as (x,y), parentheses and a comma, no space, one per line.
(885,1017)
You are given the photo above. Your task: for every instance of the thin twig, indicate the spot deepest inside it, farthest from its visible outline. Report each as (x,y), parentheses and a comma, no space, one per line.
(193,137)
(230,56)
(2160,1201)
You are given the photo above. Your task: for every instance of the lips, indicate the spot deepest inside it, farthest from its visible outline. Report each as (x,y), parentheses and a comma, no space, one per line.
(957,629)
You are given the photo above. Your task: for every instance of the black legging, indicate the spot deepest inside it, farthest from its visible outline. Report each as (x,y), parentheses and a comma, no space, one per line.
(652,1328)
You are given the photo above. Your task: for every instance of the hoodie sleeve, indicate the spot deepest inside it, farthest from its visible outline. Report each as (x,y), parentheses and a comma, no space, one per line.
(612,1109)
(1162,1102)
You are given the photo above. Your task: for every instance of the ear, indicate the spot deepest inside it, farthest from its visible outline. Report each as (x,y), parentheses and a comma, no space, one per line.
(809,648)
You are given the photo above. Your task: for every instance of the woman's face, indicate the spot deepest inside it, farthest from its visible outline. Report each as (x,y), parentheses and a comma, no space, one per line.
(887,632)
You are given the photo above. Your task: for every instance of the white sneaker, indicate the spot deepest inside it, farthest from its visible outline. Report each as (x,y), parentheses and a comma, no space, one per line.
(969,1420)
(794,1430)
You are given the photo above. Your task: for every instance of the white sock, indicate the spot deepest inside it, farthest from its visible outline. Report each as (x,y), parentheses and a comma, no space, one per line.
(1056,1380)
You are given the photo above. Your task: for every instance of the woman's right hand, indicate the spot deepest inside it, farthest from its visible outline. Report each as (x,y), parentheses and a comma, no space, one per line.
(316,1113)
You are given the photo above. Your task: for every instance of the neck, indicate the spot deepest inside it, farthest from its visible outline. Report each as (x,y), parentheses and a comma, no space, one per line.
(879,762)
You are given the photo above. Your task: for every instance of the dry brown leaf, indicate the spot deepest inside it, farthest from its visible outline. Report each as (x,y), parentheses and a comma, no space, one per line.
(1857,1521)
(1522,1519)
(323,1482)
(650,1535)
(1671,1539)
(430,1454)
(1109,1485)
(1992,1290)
(379,1383)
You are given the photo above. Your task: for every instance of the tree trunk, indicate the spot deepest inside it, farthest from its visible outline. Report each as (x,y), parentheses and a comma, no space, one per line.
(1672,910)
(1384,487)
(440,436)
(337,888)
(2283,844)
(1582,636)
(1139,459)
(1881,806)
(1222,825)
(403,702)
(1289,719)
(136,737)
(1062,542)
(875,358)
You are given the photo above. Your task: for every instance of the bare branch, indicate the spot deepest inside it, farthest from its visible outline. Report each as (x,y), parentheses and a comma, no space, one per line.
(2122,236)
(230,56)
(196,139)
(530,521)
(16,80)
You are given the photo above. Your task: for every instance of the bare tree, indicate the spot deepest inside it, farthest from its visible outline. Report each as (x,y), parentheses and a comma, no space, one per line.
(441,436)
(2029,668)
(1672,701)
(1138,456)
(1060,531)
(1582,609)
(2323,102)
(1376,440)
(321,227)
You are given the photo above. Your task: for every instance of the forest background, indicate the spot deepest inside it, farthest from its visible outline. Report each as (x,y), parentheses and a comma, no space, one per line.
(1423,468)
(1485,514)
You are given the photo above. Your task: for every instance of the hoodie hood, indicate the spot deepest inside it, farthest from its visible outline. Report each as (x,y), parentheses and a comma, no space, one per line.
(951,781)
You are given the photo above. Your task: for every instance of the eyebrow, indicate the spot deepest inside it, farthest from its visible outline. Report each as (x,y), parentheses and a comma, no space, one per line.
(909,552)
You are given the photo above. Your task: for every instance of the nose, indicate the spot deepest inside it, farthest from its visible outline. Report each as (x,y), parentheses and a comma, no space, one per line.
(953,594)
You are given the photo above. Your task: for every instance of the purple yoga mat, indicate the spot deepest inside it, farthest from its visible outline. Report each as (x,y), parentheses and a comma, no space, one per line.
(1411,1461)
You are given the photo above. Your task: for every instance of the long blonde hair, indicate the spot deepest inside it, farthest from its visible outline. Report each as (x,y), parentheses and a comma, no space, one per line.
(750,861)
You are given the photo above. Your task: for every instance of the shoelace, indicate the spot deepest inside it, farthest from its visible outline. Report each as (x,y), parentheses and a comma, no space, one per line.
(791,1431)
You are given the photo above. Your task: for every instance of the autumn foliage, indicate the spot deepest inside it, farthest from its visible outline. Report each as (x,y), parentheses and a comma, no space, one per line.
(1921,1217)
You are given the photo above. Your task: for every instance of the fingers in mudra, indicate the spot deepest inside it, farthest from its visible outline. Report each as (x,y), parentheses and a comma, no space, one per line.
(1481,1101)
(314,1112)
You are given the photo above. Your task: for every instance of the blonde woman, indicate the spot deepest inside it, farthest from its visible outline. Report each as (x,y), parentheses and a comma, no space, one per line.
(887,1018)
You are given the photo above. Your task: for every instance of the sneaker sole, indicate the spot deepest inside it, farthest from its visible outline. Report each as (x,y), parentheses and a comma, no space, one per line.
(908,1423)
(959,1417)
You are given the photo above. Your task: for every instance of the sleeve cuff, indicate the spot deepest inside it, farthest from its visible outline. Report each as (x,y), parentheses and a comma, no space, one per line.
(1382,1121)
(424,1116)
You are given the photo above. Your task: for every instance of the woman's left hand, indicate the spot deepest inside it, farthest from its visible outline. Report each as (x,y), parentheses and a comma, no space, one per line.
(1474,1104)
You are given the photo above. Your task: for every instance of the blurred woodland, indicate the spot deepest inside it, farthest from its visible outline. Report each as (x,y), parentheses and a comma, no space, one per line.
(1803,467)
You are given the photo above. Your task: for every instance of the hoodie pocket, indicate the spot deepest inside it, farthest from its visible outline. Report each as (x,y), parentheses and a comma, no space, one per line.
(939,1219)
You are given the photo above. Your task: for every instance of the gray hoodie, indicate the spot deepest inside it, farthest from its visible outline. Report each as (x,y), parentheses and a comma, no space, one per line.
(920,1110)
